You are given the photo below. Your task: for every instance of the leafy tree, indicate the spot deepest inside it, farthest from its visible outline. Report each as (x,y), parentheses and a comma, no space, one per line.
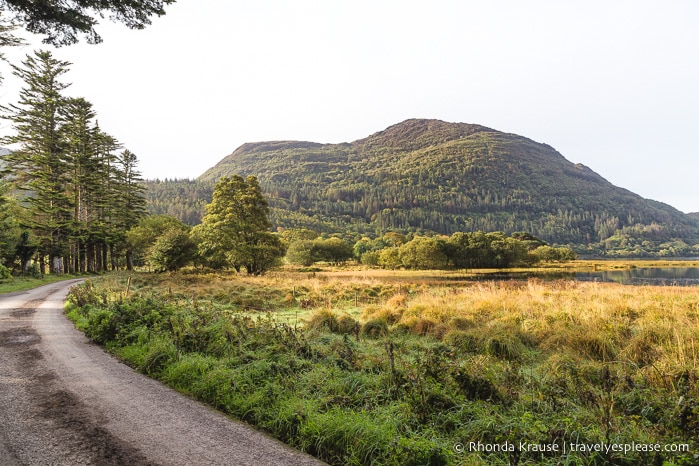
(509,252)
(531,241)
(389,258)
(393,238)
(301,252)
(423,253)
(552,254)
(171,251)
(62,21)
(261,252)
(235,230)
(332,250)
(141,238)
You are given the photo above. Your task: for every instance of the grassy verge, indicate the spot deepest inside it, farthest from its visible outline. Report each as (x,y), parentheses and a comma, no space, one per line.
(27,283)
(370,372)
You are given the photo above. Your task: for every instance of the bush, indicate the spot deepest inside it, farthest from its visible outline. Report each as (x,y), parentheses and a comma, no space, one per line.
(346,325)
(323,320)
(83,294)
(4,273)
(375,328)
(171,251)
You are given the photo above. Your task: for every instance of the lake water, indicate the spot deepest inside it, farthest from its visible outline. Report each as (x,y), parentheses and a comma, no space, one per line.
(659,276)
(663,276)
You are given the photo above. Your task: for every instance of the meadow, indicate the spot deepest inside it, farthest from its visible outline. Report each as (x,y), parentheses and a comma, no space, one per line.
(360,367)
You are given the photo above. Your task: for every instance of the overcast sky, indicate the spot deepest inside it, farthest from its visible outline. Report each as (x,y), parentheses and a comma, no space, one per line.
(610,84)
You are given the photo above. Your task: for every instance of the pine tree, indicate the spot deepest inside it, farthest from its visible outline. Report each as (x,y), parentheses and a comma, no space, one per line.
(81,145)
(39,165)
(131,205)
(80,196)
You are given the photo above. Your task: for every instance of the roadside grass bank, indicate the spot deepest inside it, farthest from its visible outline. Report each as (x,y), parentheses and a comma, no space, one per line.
(13,284)
(365,371)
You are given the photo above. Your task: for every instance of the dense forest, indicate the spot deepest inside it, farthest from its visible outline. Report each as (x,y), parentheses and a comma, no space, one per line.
(431,177)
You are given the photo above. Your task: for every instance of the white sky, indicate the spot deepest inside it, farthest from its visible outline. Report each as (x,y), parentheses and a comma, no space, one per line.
(611,84)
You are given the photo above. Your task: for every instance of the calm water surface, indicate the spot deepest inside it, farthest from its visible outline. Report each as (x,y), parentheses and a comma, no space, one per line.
(662,276)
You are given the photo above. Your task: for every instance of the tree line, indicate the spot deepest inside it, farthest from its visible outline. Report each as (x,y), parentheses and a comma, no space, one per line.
(462,250)
(71,190)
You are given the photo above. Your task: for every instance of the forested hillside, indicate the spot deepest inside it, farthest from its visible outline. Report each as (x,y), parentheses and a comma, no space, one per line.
(431,176)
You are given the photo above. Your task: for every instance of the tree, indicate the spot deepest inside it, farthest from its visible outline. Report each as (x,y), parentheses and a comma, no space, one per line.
(171,251)
(301,252)
(39,165)
(131,205)
(7,39)
(235,230)
(62,21)
(79,196)
(423,253)
(141,238)
(332,250)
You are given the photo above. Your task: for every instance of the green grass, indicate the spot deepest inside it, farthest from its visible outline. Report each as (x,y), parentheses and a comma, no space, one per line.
(27,283)
(428,366)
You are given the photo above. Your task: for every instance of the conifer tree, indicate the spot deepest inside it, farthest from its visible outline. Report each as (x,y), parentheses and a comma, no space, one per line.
(63,20)
(80,196)
(39,165)
(131,204)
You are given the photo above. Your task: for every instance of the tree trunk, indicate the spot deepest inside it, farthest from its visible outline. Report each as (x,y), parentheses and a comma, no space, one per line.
(90,251)
(129,260)
(57,265)
(113,258)
(104,257)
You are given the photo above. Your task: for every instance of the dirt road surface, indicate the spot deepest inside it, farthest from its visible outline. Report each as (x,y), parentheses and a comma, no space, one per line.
(64,401)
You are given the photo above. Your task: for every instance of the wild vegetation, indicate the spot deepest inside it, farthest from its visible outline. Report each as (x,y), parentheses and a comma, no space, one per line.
(365,371)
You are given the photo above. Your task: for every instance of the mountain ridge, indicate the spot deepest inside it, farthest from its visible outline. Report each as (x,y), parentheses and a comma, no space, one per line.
(425,175)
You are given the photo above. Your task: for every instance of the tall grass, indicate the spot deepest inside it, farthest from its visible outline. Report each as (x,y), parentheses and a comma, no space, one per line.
(386,373)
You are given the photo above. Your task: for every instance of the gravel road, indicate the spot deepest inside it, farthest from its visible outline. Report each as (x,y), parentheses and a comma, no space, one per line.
(64,401)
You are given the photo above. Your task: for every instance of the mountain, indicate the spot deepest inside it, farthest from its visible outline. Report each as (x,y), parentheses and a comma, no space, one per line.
(430,175)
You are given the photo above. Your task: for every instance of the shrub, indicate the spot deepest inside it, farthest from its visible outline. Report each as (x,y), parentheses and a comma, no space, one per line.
(375,328)
(4,273)
(83,294)
(323,320)
(346,325)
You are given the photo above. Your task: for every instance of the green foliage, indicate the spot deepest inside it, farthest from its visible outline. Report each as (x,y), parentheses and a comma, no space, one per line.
(155,241)
(62,22)
(172,250)
(234,231)
(4,273)
(460,250)
(301,252)
(423,253)
(306,252)
(551,254)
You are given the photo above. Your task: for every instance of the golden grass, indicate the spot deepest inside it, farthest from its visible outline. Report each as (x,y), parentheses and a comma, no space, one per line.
(642,325)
